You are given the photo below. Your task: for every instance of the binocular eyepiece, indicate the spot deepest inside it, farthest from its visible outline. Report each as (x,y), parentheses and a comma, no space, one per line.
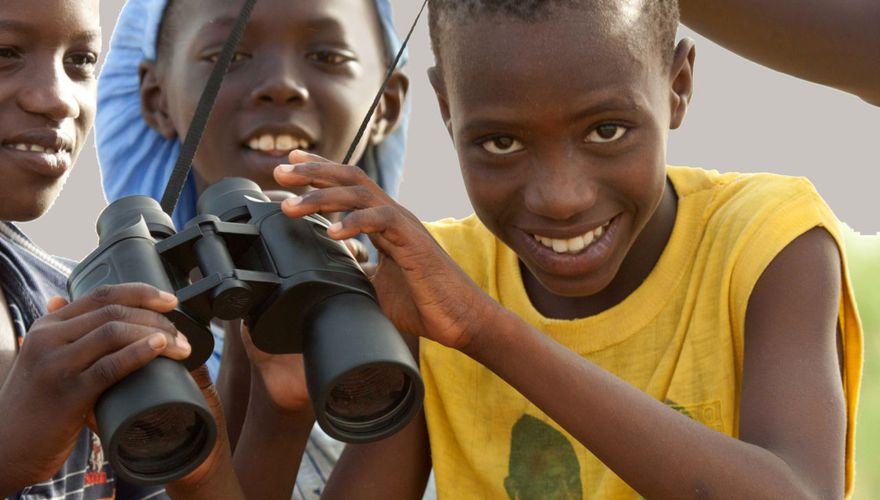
(297,290)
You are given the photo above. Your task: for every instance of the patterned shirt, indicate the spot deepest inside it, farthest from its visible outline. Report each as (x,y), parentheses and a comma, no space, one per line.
(28,277)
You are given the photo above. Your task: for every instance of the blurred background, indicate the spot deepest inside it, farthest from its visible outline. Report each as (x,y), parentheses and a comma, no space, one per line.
(743,117)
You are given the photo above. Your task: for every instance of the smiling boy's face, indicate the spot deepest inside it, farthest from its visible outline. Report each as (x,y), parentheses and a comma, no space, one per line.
(47,98)
(560,127)
(304,77)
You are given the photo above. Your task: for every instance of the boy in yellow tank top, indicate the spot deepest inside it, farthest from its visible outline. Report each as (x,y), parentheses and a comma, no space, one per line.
(604,326)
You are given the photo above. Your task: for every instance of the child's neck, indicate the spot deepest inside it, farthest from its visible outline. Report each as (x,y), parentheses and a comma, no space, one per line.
(636,266)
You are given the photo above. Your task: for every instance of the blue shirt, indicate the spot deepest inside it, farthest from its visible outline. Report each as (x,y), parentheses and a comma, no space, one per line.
(29,277)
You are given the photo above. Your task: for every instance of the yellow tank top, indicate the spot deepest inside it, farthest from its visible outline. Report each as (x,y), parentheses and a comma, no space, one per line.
(678,337)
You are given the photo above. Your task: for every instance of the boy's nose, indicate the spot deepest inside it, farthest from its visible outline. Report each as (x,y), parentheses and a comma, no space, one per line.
(281,89)
(560,190)
(50,93)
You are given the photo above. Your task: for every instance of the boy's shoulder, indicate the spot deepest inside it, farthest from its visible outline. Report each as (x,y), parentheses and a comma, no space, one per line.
(736,201)
(726,186)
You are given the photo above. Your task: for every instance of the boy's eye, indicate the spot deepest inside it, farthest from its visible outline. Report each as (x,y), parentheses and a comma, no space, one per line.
(330,57)
(236,57)
(8,53)
(83,62)
(608,132)
(501,145)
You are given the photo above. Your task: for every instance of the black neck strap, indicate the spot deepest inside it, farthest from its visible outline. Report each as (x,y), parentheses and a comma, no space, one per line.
(203,110)
(212,88)
(391,68)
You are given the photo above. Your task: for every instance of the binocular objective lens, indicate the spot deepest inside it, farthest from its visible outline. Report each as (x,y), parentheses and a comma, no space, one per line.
(369,398)
(162,440)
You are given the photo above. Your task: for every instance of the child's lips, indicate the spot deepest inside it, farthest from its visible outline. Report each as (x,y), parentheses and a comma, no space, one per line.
(574,255)
(575,244)
(47,162)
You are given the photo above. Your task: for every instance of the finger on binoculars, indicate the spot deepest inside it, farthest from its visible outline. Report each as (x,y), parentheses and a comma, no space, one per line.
(300,156)
(358,250)
(115,336)
(78,326)
(126,294)
(115,366)
(367,221)
(323,175)
(278,195)
(333,199)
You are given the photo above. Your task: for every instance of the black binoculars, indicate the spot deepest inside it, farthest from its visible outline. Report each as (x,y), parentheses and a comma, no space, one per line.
(297,290)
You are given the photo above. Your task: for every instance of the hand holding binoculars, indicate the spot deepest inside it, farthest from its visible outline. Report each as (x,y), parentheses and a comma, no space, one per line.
(297,290)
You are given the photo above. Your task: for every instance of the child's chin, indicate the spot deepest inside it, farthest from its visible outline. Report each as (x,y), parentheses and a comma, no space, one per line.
(36,207)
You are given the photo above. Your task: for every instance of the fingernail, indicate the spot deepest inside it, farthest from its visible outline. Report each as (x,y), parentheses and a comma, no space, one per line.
(286,168)
(293,201)
(157,342)
(166,296)
(182,341)
(335,227)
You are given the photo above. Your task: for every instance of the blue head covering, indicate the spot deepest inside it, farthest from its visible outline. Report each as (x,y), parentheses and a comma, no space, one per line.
(135,159)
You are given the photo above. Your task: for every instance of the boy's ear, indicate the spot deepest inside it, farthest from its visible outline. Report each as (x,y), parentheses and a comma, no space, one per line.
(154,107)
(390,109)
(682,81)
(439,85)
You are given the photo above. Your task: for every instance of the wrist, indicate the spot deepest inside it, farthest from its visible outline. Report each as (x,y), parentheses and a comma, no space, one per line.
(489,322)
(262,405)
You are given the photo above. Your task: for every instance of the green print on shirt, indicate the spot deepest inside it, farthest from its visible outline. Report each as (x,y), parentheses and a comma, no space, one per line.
(543,464)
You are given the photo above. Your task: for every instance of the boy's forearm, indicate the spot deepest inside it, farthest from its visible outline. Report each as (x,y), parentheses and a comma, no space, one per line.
(832,43)
(270,447)
(656,450)
(234,381)
(396,467)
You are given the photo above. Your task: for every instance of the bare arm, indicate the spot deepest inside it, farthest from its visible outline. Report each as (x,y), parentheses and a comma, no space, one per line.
(271,445)
(825,41)
(793,423)
(234,381)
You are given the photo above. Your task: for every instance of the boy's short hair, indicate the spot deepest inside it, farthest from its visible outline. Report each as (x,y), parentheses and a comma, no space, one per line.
(659,17)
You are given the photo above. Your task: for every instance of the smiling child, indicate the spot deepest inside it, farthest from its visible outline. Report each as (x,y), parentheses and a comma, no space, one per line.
(605,325)
(56,358)
(303,77)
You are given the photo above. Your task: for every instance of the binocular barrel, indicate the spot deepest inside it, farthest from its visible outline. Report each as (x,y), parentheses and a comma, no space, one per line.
(361,376)
(298,290)
(155,424)
(360,381)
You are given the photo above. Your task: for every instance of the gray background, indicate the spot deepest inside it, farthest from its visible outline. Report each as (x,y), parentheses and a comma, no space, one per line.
(743,117)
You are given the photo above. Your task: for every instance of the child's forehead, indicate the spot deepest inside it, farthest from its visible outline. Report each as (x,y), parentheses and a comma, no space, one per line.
(561,45)
(22,17)
(551,69)
(597,22)
(329,13)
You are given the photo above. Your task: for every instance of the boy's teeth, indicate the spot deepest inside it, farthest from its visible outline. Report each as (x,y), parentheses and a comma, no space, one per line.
(35,148)
(572,245)
(284,142)
(267,143)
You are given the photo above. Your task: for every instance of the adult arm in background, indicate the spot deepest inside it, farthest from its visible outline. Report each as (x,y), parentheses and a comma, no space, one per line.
(825,41)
